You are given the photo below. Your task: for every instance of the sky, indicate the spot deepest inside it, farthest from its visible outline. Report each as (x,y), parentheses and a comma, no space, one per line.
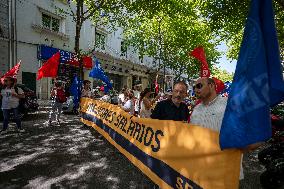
(225,63)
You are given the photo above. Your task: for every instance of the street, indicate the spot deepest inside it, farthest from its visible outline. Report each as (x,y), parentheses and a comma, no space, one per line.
(74,156)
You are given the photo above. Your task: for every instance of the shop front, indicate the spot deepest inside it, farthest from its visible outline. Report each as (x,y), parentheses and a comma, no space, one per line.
(122,73)
(68,68)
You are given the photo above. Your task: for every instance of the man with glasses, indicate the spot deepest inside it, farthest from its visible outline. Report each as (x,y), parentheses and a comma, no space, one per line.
(210,111)
(174,108)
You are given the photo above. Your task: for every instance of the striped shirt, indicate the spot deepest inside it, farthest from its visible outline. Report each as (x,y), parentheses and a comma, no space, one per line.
(211,116)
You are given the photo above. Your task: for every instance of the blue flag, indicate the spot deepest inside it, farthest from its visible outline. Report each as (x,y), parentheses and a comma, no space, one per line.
(258,82)
(98,73)
(75,90)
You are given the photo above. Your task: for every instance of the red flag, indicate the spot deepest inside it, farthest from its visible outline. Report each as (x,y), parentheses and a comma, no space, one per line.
(87,62)
(220,86)
(50,67)
(12,73)
(199,54)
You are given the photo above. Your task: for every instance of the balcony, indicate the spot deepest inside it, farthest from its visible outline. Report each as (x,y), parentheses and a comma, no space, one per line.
(41,29)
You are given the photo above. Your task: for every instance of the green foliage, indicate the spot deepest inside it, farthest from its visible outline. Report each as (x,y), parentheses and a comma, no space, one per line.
(227,19)
(221,74)
(168,30)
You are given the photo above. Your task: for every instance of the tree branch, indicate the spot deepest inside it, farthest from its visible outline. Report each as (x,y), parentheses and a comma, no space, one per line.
(72,12)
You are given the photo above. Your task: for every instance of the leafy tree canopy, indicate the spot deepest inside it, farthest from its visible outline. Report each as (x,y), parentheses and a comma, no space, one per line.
(227,18)
(222,74)
(168,30)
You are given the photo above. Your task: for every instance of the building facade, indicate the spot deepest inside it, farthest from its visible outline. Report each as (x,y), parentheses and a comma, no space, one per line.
(42,28)
(7,35)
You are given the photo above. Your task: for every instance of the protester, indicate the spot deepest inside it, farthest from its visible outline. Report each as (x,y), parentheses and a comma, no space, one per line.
(209,112)
(86,91)
(174,108)
(122,96)
(59,97)
(96,94)
(106,98)
(129,103)
(145,103)
(137,91)
(11,96)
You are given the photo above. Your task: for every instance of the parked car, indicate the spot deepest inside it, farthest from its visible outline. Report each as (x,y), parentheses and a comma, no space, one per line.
(28,104)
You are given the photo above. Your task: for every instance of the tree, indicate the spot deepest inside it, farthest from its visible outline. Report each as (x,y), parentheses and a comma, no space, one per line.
(102,12)
(227,19)
(222,74)
(168,30)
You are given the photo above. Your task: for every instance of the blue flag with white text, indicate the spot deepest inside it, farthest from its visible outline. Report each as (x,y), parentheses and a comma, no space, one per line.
(98,73)
(258,81)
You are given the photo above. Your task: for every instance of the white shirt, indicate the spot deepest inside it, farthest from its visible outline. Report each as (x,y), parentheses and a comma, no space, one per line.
(106,98)
(129,106)
(211,116)
(144,113)
(121,98)
(136,94)
(9,101)
(86,93)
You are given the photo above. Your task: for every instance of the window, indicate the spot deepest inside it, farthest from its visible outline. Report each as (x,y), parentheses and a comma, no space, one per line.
(50,22)
(123,49)
(100,41)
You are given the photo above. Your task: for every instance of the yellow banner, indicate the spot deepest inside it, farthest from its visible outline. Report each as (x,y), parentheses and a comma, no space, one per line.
(172,154)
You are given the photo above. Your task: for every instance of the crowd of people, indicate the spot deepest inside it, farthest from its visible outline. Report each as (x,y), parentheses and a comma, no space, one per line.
(174,105)
(207,110)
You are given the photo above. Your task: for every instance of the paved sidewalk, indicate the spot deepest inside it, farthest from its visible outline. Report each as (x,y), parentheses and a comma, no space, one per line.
(74,156)
(66,156)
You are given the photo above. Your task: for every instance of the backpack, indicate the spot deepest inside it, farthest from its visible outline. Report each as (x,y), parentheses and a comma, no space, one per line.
(61,96)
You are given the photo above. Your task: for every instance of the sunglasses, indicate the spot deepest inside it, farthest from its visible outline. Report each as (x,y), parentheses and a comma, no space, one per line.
(197,86)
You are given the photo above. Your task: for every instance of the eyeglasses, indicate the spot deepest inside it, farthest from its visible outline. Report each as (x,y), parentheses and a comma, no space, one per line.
(197,86)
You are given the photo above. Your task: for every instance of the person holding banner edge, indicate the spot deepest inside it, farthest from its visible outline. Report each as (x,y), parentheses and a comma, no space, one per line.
(210,112)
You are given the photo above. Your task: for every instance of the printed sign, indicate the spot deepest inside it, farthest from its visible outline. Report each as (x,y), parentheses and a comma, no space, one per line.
(172,154)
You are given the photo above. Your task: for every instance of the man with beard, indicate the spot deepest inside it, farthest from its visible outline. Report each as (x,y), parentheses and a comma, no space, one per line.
(210,111)
(174,108)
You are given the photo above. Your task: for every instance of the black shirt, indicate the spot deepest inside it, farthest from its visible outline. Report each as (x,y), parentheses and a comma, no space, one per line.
(167,110)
